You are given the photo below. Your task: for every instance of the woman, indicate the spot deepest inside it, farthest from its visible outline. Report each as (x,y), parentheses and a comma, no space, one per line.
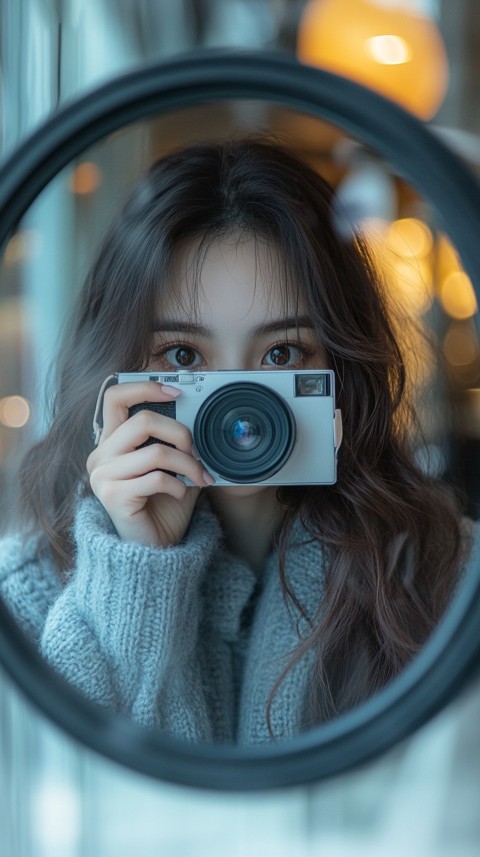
(222,612)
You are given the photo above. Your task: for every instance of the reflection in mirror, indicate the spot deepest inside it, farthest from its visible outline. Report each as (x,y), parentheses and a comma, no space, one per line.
(288,591)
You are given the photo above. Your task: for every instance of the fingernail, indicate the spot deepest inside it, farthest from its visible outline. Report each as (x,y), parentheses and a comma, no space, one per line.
(208,478)
(171,391)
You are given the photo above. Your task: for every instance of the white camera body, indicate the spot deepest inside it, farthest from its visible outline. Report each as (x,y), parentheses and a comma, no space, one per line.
(267,427)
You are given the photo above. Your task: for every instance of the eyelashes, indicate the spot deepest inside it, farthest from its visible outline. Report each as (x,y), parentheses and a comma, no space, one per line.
(182,355)
(283,354)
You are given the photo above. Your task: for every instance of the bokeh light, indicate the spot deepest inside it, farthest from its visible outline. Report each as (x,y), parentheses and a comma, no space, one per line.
(457,296)
(391,48)
(22,246)
(409,237)
(14,411)
(388,50)
(460,345)
(85,178)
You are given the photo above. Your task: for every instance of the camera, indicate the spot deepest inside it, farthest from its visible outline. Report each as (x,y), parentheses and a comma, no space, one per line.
(266,427)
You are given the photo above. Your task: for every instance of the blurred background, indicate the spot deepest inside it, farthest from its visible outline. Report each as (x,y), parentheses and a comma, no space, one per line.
(420,53)
(58,799)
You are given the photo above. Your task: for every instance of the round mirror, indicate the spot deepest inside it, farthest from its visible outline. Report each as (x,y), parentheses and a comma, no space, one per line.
(404,211)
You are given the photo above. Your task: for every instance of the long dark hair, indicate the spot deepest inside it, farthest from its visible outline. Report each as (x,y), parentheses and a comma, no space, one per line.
(391,533)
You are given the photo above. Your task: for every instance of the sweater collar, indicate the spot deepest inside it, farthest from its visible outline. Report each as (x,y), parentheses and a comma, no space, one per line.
(231,585)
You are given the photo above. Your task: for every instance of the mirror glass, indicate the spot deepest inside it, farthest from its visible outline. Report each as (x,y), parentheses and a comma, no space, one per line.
(246,614)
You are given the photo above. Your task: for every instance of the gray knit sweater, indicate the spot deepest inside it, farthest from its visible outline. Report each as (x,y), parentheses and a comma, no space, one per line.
(184,638)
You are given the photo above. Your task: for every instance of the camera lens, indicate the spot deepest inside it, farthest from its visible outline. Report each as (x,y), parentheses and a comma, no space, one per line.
(245,432)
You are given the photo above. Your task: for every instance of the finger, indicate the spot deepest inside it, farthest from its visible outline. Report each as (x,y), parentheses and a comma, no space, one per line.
(153,457)
(138,429)
(134,491)
(119,398)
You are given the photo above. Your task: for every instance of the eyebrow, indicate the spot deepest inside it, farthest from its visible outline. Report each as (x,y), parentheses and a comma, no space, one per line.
(180,326)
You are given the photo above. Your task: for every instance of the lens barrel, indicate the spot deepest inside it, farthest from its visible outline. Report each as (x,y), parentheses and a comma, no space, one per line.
(245,432)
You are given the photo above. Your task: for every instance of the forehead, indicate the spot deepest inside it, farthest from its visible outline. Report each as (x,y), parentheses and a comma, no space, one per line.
(237,275)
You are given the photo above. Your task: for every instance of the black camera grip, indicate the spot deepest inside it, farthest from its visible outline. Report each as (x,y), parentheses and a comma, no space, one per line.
(168,409)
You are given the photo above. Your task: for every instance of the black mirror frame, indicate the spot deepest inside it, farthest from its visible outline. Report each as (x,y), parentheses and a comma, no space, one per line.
(451,656)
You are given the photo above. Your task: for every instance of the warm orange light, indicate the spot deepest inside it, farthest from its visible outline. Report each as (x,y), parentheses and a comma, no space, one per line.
(85,178)
(457,296)
(393,50)
(14,411)
(412,285)
(409,237)
(447,259)
(402,252)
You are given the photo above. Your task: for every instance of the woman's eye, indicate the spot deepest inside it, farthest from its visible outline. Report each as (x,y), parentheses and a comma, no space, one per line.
(180,357)
(283,354)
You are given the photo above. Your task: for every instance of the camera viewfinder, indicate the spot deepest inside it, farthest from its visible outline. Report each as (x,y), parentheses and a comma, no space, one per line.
(312,385)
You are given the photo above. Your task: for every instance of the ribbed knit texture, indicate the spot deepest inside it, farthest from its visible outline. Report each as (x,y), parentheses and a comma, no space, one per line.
(185,638)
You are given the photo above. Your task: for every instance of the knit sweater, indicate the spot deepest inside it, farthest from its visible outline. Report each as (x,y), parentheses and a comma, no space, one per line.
(186,639)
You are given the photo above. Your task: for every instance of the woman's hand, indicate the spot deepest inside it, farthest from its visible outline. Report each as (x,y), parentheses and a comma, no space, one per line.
(146,504)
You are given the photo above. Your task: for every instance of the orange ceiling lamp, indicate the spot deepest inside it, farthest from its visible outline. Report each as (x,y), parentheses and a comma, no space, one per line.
(387,45)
